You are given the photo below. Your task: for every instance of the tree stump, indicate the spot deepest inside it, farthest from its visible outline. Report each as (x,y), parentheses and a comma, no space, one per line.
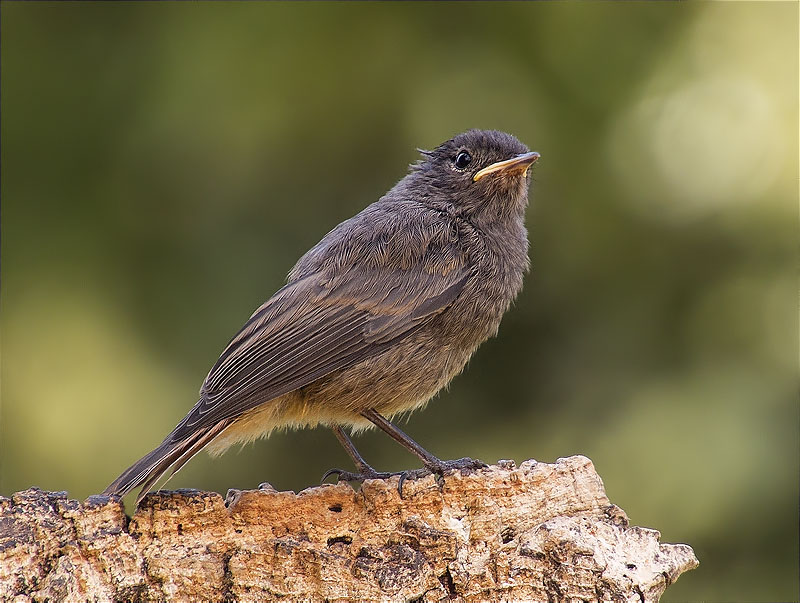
(537,532)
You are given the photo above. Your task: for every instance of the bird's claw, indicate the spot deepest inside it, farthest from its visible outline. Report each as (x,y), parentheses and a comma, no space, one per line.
(413,475)
(337,472)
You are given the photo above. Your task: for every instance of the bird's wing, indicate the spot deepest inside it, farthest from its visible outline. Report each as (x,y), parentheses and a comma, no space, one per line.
(313,327)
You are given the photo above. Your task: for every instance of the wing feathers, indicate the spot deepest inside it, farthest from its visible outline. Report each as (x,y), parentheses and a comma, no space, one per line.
(312,328)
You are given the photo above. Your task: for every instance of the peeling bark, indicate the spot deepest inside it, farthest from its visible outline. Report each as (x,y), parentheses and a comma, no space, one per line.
(537,532)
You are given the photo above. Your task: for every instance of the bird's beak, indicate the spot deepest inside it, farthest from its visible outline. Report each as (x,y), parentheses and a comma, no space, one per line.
(520,163)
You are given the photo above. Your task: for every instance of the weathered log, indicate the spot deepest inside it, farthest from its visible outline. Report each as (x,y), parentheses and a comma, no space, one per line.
(537,532)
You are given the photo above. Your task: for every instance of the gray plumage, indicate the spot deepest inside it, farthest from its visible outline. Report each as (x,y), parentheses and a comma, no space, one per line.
(380,315)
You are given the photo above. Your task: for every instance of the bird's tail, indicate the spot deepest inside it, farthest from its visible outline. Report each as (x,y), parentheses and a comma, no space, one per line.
(170,454)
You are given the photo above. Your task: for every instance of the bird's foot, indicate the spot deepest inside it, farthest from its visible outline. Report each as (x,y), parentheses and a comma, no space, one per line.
(438,469)
(349,476)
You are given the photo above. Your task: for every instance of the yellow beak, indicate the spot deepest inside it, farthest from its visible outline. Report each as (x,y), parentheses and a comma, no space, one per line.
(520,163)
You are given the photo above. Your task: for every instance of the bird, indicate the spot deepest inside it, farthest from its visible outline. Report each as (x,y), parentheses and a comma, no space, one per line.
(376,318)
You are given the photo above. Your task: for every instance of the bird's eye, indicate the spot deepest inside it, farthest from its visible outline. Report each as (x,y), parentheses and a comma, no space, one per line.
(462,160)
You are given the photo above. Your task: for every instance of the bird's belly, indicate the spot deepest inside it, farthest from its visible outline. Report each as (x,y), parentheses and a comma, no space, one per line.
(402,378)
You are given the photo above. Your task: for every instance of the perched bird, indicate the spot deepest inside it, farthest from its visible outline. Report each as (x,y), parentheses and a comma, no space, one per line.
(377,317)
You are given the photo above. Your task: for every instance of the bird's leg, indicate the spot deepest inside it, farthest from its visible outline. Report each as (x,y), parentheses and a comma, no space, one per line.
(365,470)
(432,463)
(350,448)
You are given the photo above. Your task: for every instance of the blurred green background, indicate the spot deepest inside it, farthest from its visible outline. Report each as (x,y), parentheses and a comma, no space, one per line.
(164,165)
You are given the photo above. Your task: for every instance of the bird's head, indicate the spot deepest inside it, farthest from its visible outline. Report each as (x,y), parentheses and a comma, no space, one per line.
(480,173)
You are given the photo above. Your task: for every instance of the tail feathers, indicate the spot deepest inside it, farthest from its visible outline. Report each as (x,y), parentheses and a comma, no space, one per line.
(169,455)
